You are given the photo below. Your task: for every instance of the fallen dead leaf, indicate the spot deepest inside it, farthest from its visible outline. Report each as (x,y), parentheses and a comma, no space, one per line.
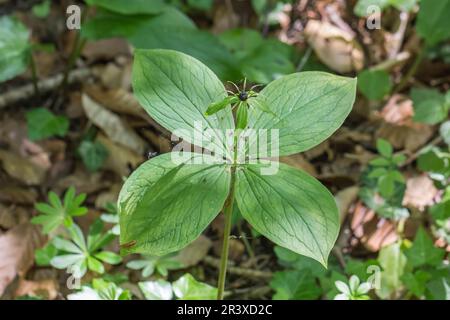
(17,195)
(47,289)
(345,199)
(298,161)
(116,129)
(337,48)
(17,248)
(21,169)
(369,230)
(420,192)
(120,160)
(399,128)
(194,252)
(12,215)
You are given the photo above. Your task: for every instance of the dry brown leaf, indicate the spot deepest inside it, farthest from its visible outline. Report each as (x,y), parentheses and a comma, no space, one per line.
(345,199)
(12,215)
(117,100)
(109,196)
(335,47)
(369,230)
(298,161)
(420,192)
(82,181)
(194,252)
(399,128)
(47,288)
(107,49)
(18,195)
(21,169)
(17,248)
(120,160)
(116,129)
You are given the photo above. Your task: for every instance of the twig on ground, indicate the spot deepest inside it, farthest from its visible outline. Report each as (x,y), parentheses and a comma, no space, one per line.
(44,86)
(249,273)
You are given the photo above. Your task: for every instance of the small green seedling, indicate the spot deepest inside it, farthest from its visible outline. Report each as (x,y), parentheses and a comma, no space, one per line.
(101,290)
(150,264)
(80,255)
(354,290)
(385,168)
(57,213)
(383,186)
(165,204)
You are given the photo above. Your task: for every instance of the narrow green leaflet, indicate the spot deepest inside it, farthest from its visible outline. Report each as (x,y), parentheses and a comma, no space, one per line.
(130,6)
(176,90)
(164,206)
(433,24)
(423,252)
(306,107)
(15,49)
(290,208)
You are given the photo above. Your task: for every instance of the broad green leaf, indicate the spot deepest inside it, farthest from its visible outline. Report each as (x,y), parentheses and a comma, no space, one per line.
(306,107)
(393,262)
(108,24)
(42,9)
(374,84)
(204,5)
(291,208)
(261,60)
(423,251)
(130,6)
(176,90)
(430,106)
(156,290)
(295,285)
(433,24)
(15,50)
(187,288)
(416,282)
(43,124)
(199,44)
(164,206)
(93,154)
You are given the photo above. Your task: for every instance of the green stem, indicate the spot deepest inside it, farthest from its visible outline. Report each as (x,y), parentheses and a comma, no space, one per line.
(412,71)
(228,212)
(34,76)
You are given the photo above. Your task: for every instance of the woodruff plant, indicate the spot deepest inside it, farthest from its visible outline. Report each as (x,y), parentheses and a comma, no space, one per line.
(164,205)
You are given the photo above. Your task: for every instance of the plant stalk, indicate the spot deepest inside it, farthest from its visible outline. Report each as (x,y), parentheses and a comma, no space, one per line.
(34,76)
(228,212)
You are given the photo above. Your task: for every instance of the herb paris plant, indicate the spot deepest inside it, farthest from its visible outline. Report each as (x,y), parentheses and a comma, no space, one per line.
(164,205)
